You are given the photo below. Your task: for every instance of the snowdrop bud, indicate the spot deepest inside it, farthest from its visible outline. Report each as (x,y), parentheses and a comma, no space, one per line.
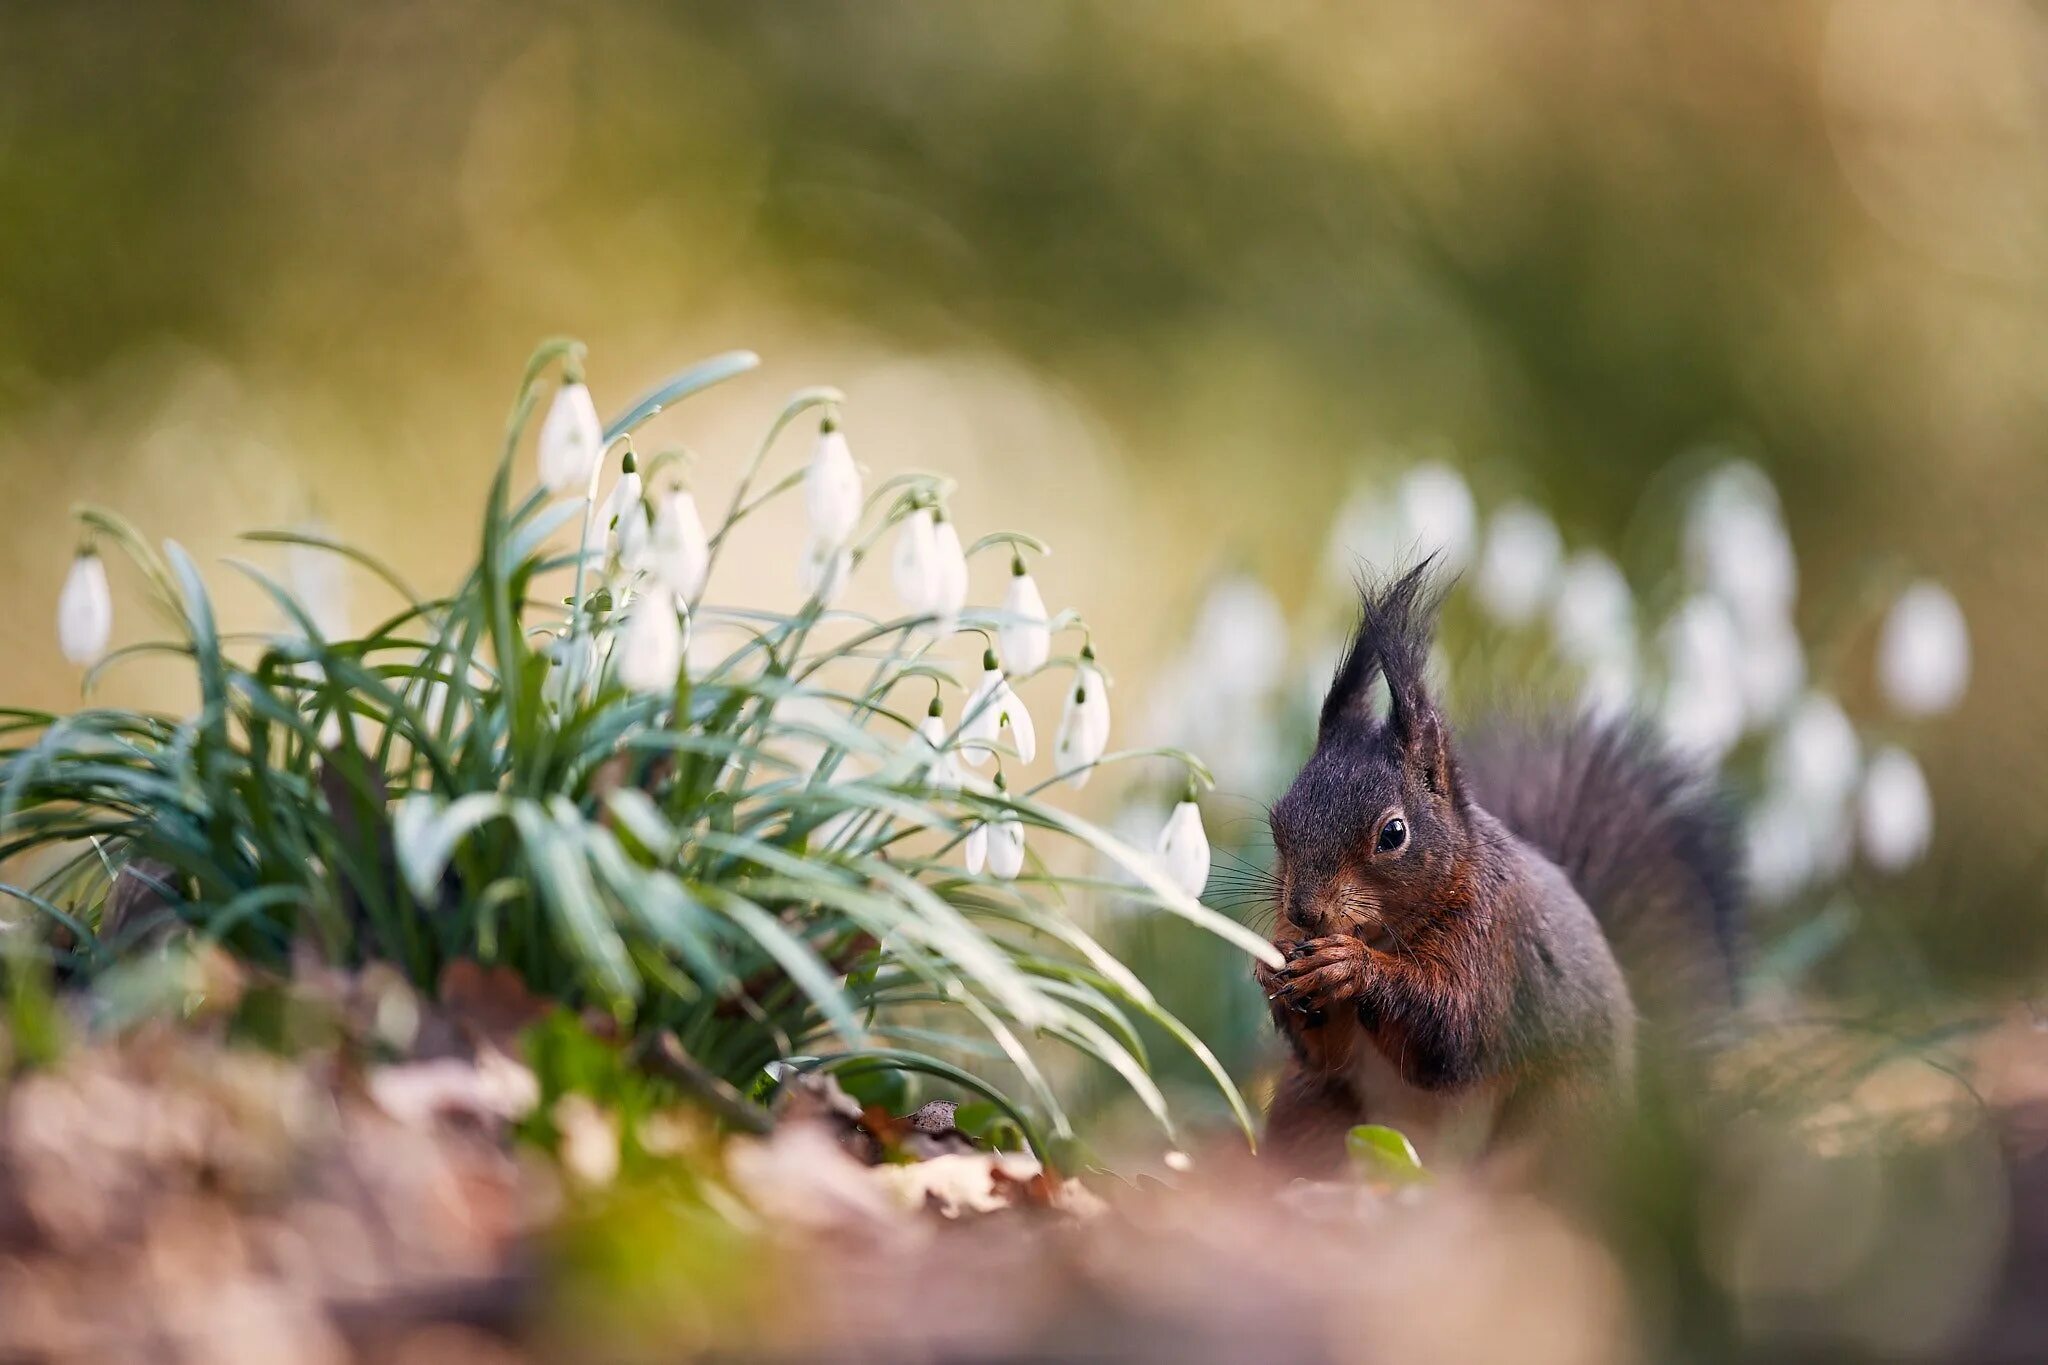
(1437,507)
(1005,842)
(915,569)
(85,611)
(1184,846)
(1594,615)
(832,488)
(825,570)
(1518,566)
(1084,725)
(651,652)
(950,593)
(1895,812)
(975,853)
(929,748)
(1026,641)
(680,551)
(571,440)
(1816,754)
(1923,656)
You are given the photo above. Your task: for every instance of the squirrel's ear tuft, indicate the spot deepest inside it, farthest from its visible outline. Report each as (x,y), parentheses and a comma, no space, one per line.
(1396,620)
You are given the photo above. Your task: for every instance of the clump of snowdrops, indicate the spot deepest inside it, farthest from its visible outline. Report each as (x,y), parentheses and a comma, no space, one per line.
(816,837)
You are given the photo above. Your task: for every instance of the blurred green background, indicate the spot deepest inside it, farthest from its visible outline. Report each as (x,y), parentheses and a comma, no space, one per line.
(1159,279)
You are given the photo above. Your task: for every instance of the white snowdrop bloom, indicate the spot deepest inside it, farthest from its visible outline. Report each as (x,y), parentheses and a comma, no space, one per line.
(85,611)
(1437,506)
(1773,668)
(1816,755)
(1735,541)
(832,488)
(624,497)
(1239,643)
(928,750)
(651,651)
(1025,639)
(1368,530)
(1703,708)
(571,440)
(678,550)
(1184,848)
(825,570)
(1593,616)
(1006,847)
(1895,814)
(914,569)
(1084,724)
(974,853)
(1609,687)
(1923,655)
(992,708)
(950,592)
(1519,562)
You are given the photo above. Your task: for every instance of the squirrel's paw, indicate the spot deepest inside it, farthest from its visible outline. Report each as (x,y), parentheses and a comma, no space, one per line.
(1320,973)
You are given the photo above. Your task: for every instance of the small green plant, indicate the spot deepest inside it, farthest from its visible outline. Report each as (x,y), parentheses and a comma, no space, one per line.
(777,852)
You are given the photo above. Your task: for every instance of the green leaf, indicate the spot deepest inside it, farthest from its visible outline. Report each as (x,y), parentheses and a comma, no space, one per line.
(1383,1155)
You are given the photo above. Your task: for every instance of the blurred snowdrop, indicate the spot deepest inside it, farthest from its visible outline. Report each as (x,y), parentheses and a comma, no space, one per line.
(1025,638)
(991,709)
(1736,544)
(1184,847)
(974,849)
(1519,563)
(1005,842)
(1212,698)
(1895,813)
(1778,849)
(678,550)
(85,611)
(573,660)
(1703,706)
(651,650)
(914,568)
(824,570)
(1593,617)
(1816,756)
(832,489)
(1369,531)
(571,440)
(1923,654)
(1438,513)
(928,749)
(1084,725)
(1773,668)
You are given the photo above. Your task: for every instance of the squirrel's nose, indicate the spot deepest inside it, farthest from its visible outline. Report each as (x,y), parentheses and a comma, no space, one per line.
(1301,910)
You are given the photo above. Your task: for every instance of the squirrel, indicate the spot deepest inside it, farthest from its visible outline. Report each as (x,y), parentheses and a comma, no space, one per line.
(1461,922)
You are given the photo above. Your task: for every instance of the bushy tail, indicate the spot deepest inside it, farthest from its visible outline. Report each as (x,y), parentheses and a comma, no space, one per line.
(1644,837)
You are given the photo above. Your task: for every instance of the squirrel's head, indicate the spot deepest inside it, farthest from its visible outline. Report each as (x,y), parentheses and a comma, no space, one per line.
(1375,830)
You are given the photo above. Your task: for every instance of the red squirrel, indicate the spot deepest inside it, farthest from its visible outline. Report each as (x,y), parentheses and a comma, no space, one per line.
(1456,917)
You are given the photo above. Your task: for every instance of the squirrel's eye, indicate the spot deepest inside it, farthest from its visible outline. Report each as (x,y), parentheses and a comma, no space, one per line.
(1393,834)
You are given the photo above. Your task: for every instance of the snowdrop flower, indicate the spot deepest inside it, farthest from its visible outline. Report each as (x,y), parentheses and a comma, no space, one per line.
(1519,564)
(625,515)
(1736,544)
(950,592)
(974,853)
(1773,668)
(85,611)
(1025,639)
(1084,725)
(1895,811)
(571,440)
(1609,688)
(1239,644)
(1437,507)
(914,569)
(832,489)
(1778,849)
(575,659)
(1594,614)
(1816,755)
(992,708)
(679,551)
(1923,655)
(1703,710)
(1367,529)
(1184,846)
(825,570)
(651,652)
(625,494)
(1005,842)
(928,749)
